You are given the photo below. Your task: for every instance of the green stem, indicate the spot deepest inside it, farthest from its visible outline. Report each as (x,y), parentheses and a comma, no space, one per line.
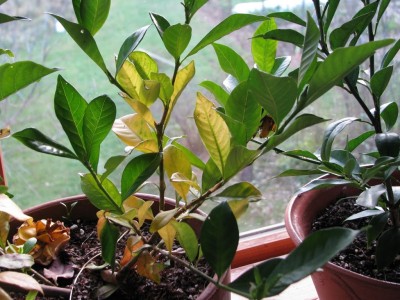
(394,210)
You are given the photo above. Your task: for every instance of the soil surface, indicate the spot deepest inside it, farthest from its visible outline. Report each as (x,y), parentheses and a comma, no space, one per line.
(357,257)
(176,282)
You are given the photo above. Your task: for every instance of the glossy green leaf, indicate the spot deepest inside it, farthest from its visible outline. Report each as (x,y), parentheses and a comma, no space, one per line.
(389,113)
(37,141)
(243,107)
(297,172)
(166,87)
(111,164)
(281,64)
(129,45)
(388,247)
(219,238)
(137,171)
(380,80)
(213,131)
(187,239)
(369,197)
(332,7)
(285,35)
(311,41)
(106,197)
(390,55)
(264,51)
(338,65)
(376,226)
(239,158)
(108,238)
(70,109)
(6,18)
(231,62)
(162,219)
(93,14)
(298,124)
(18,75)
(211,176)
(302,154)
(318,184)
(227,26)
(219,93)
(97,122)
(359,140)
(331,133)
(237,129)
(288,16)
(196,5)
(29,245)
(176,38)
(276,95)
(77,10)
(241,190)
(160,22)
(382,8)
(84,40)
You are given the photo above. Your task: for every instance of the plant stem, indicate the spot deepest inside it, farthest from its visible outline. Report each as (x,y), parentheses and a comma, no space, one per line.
(394,210)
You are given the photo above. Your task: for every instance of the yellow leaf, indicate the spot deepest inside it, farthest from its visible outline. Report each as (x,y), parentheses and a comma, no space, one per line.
(145,212)
(179,181)
(134,131)
(141,109)
(20,280)
(238,207)
(168,233)
(162,219)
(8,206)
(148,267)
(4,228)
(143,63)
(213,131)
(175,161)
(132,202)
(183,77)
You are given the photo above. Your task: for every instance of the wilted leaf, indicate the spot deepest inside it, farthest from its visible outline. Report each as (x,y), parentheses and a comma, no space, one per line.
(168,233)
(147,266)
(20,280)
(9,207)
(59,270)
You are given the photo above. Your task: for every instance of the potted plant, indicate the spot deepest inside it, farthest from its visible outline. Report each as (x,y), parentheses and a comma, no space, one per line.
(372,187)
(260,108)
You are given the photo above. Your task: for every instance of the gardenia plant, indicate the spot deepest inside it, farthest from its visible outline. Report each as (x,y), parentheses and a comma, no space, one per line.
(380,197)
(258,109)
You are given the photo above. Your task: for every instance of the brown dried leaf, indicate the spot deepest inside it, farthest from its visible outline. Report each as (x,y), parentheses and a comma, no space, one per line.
(148,267)
(58,270)
(20,280)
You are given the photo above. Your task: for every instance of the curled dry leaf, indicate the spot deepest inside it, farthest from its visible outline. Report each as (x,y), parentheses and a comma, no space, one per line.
(58,270)
(51,237)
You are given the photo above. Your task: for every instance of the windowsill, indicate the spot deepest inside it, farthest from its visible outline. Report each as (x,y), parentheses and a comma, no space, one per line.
(262,244)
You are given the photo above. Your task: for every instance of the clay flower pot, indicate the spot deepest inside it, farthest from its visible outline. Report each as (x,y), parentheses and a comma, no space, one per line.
(334,282)
(86,211)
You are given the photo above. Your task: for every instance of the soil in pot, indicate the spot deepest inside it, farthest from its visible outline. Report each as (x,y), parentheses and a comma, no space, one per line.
(177,282)
(357,257)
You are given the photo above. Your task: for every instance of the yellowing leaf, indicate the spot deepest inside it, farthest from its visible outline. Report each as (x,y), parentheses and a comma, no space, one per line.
(144,64)
(213,131)
(8,206)
(20,280)
(4,228)
(183,77)
(162,219)
(132,244)
(179,180)
(141,109)
(148,267)
(168,234)
(175,161)
(134,131)
(238,207)
(145,212)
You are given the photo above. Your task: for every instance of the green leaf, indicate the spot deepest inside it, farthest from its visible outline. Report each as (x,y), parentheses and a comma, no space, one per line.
(106,197)
(97,122)
(332,7)
(160,22)
(6,52)
(219,93)
(29,245)
(137,171)
(111,164)
(213,131)
(70,109)
(390,55)
(108,238)
(298,124)
(357,141)
(264,51)
(388,247)
(285,35)
(77,10)
(162,219)
(288,16)
(389,113)
(239,158)
(276,95)
(231,62)
(243,107)
(129,45)
(293,172)
(211,176)
(16,76)
(241,190)
(176,38)
(302,154)
(187,239)
(376,226)
(281,64)
(330,134)
(369,197)
(196,5)
(237,130)
(338,65)
(319,184)
(84,40)
(219,238)
(93,14)
(37,141)
(6,18)
(227,26)
(166,87)
(380,80)
(310,48)
(382,8)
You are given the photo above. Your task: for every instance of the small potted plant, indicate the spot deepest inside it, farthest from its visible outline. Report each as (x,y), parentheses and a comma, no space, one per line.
(365,195)
(259,108)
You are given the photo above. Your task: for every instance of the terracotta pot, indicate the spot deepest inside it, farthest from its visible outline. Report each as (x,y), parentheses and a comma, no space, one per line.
(334,282)
(85,210)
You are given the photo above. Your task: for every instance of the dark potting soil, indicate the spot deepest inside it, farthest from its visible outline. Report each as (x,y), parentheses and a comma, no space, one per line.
(176,282)
(357,257)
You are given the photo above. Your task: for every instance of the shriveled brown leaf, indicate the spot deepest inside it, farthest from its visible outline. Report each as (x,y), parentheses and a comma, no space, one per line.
(148,267)
(58,270)
(19,280)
